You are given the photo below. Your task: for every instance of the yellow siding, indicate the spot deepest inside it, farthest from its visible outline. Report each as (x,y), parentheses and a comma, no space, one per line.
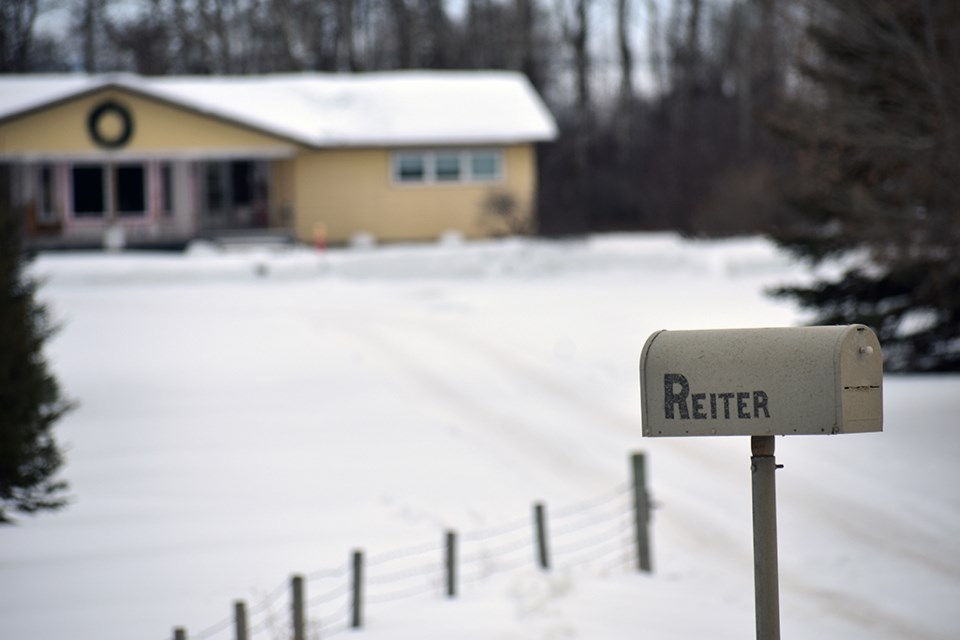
(352,191)
(156,127)
(342,191)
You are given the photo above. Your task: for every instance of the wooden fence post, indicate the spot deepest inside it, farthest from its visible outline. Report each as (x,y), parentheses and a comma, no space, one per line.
(240,620)
(540,518)
(451,562)
(299,617)
(641,512)
(357,589)
(179,633)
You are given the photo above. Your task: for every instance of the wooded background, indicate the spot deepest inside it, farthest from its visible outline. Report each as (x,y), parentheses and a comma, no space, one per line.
(661,105)
(831,125)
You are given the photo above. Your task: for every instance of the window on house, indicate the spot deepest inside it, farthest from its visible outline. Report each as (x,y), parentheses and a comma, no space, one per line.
(215,182)
(131,190)
(485,165)
(234,193)
(447,166)
(411,167)
(89,194)
(93,192)
(241,174)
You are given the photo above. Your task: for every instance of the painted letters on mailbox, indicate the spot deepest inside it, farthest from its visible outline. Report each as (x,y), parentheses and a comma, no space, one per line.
(712,405)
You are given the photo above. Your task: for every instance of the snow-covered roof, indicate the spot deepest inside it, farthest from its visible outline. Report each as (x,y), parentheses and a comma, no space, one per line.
(329,110)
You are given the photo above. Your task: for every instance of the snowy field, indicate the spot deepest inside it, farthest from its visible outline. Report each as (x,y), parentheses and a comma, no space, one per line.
(249,415)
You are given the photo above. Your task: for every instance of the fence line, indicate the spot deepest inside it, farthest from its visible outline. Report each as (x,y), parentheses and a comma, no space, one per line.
(597,551)
(402,554)
(580,524)
(620,491)
(593,532)
(327,574)
(503,549)
(488,566)
(598,538)
(336,593)
(403,575)
(498,530)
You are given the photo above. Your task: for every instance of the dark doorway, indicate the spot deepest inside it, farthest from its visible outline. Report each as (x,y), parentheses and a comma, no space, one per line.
(235,194)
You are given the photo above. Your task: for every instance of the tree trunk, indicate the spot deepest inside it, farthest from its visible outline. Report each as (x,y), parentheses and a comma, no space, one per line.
(581,56)
(403,21)
(655,46)
(345,33)
(626,53)
(90,21)
(524,26)
(16,34)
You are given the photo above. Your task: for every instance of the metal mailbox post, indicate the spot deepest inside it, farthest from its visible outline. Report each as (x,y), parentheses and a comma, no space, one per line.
(762,383)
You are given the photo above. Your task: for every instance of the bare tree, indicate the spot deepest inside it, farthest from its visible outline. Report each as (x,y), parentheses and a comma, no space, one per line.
(655,47)
(577,36)
(346,37)
(186,45)
(760,68)
(403,19)
(626,52)
(17,19)
(90,22)
(624,114)
(575,26)
(686,60)
(144,38)
(524,24)
(434,36)
(215,16)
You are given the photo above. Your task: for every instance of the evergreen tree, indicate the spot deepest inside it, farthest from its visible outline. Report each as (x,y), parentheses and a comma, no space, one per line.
(30,399)
(878,134)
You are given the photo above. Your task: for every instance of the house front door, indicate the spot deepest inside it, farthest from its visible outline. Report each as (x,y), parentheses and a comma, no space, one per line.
(234,195)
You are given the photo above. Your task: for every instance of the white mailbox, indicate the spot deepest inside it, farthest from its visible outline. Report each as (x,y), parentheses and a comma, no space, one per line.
(760,382)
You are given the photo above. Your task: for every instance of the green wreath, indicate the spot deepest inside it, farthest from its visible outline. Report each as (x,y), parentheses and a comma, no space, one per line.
(126,130)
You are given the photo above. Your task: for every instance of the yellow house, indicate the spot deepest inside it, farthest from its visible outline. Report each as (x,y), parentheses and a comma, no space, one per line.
(399,155)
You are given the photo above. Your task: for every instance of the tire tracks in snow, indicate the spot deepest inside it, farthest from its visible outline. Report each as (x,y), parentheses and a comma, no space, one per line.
(532,372)
(703,529)
(563,391)
(860,612)
(865,524)
(394,341)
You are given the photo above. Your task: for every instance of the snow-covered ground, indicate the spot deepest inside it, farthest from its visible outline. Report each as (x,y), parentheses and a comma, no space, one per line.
(250,415)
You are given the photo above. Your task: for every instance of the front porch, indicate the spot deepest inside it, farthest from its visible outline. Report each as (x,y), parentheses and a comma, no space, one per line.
(151,202)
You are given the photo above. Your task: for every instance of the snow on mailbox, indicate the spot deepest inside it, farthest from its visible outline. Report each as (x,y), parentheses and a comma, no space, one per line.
(762,382)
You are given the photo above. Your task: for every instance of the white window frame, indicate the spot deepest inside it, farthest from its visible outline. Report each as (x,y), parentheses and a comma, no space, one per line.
(396,160)
(498,173)
(429,157)
(111,194)
(433,164)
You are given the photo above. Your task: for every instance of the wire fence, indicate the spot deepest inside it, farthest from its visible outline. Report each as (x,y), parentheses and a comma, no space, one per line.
(601,535)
